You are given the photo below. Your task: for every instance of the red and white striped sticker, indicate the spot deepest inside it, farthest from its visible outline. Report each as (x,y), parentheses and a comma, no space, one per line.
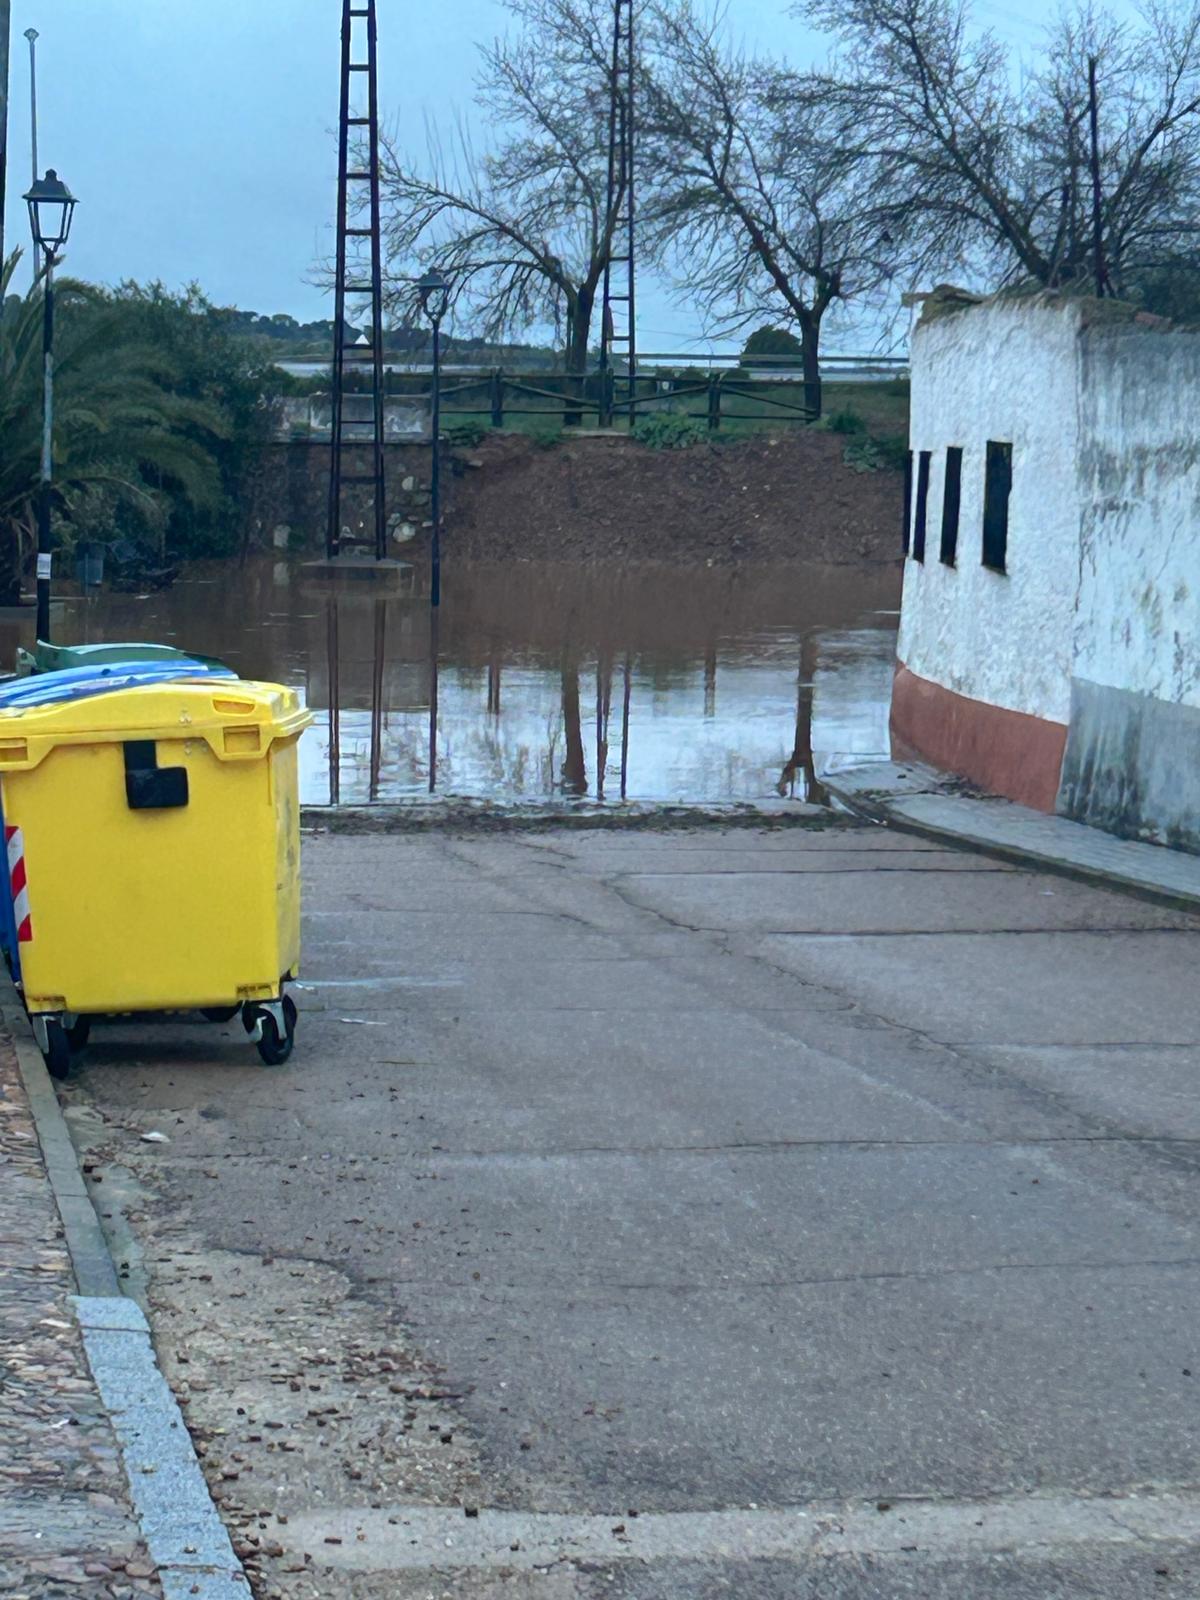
(19,885)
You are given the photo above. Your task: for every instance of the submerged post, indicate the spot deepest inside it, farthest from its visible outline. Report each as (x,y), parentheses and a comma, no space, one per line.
(434,292)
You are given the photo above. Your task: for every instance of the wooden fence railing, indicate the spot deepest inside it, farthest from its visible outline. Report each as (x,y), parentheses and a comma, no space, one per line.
(498,397)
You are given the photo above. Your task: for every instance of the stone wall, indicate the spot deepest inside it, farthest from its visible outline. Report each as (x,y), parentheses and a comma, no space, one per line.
(291,497)
(311,417)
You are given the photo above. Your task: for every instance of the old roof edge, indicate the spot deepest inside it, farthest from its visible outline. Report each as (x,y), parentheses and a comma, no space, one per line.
(947,299)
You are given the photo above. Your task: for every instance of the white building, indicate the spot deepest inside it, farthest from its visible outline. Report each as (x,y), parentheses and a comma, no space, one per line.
(1050,633)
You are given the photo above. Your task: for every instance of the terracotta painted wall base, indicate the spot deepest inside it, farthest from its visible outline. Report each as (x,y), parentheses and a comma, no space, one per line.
(1005,752)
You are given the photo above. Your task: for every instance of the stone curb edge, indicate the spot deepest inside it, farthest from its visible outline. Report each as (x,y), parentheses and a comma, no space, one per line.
(879,810)
(184,1534)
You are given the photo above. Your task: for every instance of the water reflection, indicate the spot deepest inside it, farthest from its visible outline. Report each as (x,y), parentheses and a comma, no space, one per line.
(435,622)
(333,719)
(800,766)
(538,681)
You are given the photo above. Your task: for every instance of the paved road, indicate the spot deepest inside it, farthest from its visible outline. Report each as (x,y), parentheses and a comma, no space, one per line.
(824,1198)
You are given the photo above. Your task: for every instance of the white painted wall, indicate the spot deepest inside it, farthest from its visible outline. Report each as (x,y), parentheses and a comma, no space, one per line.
(1097,623)
(1137,621)
(1006,370)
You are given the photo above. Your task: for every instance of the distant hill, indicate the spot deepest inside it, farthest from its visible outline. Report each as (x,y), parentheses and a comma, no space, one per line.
(290,340)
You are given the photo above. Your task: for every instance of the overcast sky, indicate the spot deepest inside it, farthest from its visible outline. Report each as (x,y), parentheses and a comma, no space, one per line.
(198,133)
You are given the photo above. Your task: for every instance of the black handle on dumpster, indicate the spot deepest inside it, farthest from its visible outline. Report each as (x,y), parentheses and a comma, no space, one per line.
(149,787)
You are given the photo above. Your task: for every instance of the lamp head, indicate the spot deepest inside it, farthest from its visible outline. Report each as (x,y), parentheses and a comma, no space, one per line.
(51,208)
(434,291)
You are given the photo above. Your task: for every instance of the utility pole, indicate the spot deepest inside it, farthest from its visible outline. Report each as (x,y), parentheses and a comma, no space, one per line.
(358,191)
(5,28)
(618,318)
(32,35)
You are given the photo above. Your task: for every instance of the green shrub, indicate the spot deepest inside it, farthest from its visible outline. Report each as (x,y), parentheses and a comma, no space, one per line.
(862,456)
(232,378)
(669,430)
(893,450)
(158,424)
(845,421)
(875,455)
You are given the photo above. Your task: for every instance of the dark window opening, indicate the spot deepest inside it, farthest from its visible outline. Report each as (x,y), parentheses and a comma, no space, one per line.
(951,495)
(907,499)
(996,490)
(922,505)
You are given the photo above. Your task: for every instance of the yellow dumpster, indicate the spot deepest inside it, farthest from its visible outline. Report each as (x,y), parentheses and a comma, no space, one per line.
(154,852)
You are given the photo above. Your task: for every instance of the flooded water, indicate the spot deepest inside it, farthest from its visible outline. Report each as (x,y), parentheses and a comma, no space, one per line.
(540,682)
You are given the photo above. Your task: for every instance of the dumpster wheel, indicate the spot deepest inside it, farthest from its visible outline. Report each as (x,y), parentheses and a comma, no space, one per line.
(273,1047)
(57,1049)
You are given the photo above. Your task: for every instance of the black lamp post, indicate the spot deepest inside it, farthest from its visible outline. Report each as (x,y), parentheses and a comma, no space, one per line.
(434,290)
(51,208)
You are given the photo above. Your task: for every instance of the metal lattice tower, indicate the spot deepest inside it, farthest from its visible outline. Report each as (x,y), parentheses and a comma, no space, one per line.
(357,419)
(618,336)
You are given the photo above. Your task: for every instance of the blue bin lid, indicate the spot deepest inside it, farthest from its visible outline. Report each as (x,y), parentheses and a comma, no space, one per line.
(81,683)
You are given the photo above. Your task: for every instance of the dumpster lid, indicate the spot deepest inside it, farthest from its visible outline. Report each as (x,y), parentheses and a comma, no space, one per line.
(238,719)
(81,683)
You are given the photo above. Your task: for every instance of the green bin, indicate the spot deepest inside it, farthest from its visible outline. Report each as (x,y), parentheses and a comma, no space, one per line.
(61,657)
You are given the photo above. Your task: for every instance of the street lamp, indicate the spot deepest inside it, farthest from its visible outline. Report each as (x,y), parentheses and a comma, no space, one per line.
(434,292)
(51,208)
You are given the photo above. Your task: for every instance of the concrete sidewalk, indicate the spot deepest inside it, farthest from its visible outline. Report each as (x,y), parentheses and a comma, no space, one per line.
(933,803)
(66,1520)
(101,1492)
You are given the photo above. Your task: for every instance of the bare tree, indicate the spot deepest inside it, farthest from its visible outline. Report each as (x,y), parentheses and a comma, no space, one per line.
(994,172)
(524,230)
(1148,153)
(761,188)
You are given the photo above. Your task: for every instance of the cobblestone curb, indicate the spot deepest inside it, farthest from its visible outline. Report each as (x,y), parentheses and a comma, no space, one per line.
(88,1359)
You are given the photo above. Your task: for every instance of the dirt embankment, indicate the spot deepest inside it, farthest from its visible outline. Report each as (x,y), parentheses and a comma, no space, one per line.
(766,498)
